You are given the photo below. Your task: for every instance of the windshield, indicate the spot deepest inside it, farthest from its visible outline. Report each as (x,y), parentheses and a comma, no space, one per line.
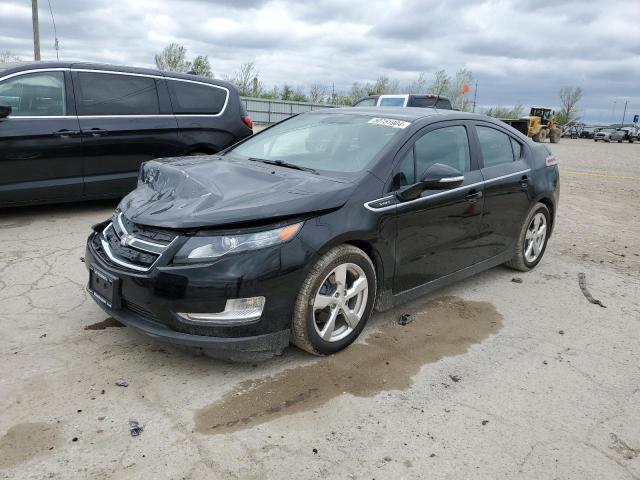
(330,142)
(392,102)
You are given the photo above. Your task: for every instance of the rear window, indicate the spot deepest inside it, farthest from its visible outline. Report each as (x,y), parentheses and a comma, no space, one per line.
(366,102)
(392,102)
(430,102)
(114,94)
(196,98)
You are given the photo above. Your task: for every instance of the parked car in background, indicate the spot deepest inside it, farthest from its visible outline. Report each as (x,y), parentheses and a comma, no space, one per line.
(603,134)
(623,134)
(298,232)
(587,132)
(73,131)
(405,100)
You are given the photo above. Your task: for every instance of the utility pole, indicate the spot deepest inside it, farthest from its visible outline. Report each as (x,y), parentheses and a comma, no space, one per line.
(36,30)
(624,113)
(475,94)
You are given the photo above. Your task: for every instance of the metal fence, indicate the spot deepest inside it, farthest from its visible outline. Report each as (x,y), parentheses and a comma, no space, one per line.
(262,110)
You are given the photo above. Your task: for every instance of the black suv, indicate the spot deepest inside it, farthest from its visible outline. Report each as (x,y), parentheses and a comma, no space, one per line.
(73,131)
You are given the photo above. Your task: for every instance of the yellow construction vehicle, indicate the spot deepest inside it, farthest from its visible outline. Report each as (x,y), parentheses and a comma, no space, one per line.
(539,125)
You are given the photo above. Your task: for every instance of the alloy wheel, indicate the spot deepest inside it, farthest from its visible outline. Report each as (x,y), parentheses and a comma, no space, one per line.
(340,302)
(535,237)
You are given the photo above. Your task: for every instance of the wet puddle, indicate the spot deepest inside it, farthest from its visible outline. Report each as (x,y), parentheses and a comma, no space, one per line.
(391,357)
(25,441)
(106,323)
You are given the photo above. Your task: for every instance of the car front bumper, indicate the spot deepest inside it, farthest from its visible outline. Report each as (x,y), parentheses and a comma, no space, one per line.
(149,301)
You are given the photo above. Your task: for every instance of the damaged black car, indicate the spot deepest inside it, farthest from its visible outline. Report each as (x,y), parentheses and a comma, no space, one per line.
(297,233)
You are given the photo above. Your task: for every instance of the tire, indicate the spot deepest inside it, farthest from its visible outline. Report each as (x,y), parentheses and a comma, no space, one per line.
(314,309)
(521,260)
(555,135)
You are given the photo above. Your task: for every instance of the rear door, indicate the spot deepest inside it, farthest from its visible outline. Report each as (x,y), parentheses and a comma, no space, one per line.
(200,110)
(507,188)
(123,124)
(40,149)
(436,233)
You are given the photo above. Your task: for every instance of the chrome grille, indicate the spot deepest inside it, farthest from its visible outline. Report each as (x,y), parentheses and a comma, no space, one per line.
(132,246)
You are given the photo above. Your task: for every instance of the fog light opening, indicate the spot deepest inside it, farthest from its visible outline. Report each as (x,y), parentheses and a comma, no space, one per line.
(237,311)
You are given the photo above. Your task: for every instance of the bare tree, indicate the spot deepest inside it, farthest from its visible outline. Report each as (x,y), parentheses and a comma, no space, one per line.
(173,59)
(384,85)
(6,56)
(569,98)
(317,93)
(441,84)
(419,85)
(244,79)
(201,66)
(457,94)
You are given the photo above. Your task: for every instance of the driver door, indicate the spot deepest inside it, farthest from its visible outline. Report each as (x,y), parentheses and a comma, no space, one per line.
(437,232)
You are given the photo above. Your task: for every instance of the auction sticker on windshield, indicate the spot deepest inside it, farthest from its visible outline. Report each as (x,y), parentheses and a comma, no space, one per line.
(390,122)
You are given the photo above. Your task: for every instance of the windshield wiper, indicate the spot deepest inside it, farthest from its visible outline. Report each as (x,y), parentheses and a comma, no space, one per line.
(281,163)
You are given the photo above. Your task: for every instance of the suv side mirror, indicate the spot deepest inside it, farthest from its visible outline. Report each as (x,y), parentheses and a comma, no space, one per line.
(5,111)
(437,177)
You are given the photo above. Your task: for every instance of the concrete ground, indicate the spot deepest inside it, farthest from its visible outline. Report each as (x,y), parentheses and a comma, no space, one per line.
(495,379)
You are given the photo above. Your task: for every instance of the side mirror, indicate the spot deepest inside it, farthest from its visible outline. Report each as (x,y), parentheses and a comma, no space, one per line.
(5,111)
(437,177)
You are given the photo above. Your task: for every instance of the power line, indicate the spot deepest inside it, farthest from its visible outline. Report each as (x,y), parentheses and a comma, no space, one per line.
(55,31)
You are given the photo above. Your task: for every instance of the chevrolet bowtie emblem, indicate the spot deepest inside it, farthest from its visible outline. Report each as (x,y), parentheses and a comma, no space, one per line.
(126,240)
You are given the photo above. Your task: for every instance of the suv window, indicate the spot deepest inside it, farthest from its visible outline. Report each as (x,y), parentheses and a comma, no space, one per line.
(196,98)
(495,145)
(115,94)
(367,102)
(447,145)
(392,102)
(430,101)
(35,94)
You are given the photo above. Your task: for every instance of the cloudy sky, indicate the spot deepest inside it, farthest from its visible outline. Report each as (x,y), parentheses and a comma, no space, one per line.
(521,51)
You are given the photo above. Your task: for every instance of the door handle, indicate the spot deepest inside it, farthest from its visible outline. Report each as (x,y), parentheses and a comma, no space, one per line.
(96,132)
(524,181)
(64,133)
(473,195)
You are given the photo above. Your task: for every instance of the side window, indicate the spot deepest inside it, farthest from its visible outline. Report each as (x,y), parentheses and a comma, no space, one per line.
(448,145)
(517,149)
(406,174)
(35,94)
(495,145)
(113,94)
(196,98)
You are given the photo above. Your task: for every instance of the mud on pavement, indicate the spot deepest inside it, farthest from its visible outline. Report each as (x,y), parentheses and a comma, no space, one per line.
(388,361)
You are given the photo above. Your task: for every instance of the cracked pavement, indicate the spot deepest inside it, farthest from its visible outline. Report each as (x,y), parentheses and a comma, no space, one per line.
(553,393)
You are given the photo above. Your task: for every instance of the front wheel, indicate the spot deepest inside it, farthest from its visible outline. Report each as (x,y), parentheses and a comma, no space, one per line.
(335,301)
(532,241)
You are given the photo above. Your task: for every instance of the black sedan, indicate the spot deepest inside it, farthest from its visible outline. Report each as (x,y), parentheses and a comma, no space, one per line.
(299,232)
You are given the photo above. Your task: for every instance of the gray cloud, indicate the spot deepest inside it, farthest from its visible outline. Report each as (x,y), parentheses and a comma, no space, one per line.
(521,51)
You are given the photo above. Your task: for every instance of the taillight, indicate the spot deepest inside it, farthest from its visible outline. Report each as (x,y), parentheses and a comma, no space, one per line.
(247,121)
(551,160)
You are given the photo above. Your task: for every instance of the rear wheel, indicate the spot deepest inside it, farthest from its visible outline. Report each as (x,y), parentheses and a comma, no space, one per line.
(335,301)
(554,136)
(532,241)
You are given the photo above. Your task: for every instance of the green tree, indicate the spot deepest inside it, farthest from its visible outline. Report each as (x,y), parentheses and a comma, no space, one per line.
(504,112)
(201,66)
(173,59)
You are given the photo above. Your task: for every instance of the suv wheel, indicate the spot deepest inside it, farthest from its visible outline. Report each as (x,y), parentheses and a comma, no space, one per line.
(335,301)
(532,240)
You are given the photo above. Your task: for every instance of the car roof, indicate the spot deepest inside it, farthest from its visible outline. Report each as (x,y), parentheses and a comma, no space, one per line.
(18,66)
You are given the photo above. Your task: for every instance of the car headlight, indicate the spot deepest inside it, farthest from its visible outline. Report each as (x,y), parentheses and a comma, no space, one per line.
(203,249)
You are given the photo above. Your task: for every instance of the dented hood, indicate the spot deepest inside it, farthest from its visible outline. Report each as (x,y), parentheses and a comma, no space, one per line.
(192,192)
